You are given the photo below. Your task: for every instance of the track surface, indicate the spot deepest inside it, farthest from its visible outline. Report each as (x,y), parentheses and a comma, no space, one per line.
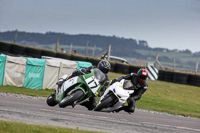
(29,109)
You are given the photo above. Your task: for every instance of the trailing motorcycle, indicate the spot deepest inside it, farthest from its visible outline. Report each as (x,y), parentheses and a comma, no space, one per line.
(78,89)
(115,96)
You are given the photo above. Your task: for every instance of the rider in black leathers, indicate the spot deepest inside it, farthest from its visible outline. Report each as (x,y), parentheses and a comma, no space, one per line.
(140,86)
(105,67)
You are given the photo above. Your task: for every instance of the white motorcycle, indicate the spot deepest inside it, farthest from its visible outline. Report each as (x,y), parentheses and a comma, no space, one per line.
(115,96)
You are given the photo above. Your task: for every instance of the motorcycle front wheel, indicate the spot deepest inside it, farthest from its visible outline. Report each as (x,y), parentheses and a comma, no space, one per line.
(105,102)
(51,100)
(69,100)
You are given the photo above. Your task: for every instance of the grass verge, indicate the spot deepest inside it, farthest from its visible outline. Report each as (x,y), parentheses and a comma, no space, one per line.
(17,127)
(171,98)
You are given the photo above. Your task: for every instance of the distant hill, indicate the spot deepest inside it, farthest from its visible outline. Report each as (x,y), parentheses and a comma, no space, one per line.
(78,40)
(122,47)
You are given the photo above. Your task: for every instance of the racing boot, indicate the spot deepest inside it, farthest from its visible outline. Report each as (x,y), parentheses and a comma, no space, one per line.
(91,104)
(131,106)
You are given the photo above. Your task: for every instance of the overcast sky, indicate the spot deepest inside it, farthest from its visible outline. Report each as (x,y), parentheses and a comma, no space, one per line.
(172,24)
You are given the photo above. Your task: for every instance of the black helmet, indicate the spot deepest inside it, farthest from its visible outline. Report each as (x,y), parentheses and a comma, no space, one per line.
(142,75)
(104,66)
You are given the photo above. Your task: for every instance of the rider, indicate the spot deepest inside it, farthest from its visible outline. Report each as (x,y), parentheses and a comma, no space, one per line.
(105,67)
(140,86)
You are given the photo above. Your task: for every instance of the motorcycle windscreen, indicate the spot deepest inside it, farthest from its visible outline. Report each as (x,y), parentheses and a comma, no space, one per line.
(128,85)
(100,76)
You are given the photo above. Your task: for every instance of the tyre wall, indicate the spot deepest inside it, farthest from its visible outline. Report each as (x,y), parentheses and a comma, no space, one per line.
(49,53)
(122,68)
(181,78)
(161,75)
(17,49)
(5,47)
(194,80)
(63,55)
(169,76)
(134,69)
(33,52)
(76,57)
(176,77)
(93,60)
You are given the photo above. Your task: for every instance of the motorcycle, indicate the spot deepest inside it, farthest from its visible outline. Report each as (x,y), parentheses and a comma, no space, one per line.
(115,96)
(78,89)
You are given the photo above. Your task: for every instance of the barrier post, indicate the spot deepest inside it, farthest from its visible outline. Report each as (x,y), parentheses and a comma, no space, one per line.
(174,64)
(197,64)
(157,63)
(57,44)
(94,50)
(16,32)
(70,49)
(86,48)
(108,53)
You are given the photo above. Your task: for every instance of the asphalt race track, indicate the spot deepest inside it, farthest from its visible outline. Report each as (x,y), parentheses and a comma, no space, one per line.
(29,109)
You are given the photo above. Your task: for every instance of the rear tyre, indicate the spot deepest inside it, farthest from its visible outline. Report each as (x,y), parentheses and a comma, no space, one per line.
(105,102)
(69,100)
(51,100)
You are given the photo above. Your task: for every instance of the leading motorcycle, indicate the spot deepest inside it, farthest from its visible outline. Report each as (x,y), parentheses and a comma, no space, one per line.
(115,96)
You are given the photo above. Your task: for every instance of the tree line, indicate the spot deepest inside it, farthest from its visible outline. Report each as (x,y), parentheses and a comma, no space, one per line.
(122,47)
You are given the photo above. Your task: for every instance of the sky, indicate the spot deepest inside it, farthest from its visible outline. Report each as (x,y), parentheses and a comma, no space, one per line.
(172,24)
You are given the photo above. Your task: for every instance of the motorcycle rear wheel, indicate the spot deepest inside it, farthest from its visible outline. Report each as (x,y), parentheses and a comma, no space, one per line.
(105,102)
(69,100)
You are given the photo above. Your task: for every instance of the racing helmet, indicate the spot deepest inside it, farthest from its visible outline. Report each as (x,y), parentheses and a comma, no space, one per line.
(142,75)
(104,66)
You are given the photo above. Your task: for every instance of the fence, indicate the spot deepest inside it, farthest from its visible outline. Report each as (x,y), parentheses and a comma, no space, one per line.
(20,50)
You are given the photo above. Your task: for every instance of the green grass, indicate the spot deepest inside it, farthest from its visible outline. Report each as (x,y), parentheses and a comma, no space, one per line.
(160,96)
(171,98)
(17,127)
(25,91)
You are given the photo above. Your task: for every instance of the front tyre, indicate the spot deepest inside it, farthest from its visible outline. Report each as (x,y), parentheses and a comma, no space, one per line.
(51,100)
(69,100)
(105,102)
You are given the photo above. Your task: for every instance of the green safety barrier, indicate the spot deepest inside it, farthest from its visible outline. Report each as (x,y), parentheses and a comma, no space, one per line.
(2,67)
(83,64)
(34,73)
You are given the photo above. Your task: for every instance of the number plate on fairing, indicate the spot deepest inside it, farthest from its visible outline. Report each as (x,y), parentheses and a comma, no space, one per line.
(93,84)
